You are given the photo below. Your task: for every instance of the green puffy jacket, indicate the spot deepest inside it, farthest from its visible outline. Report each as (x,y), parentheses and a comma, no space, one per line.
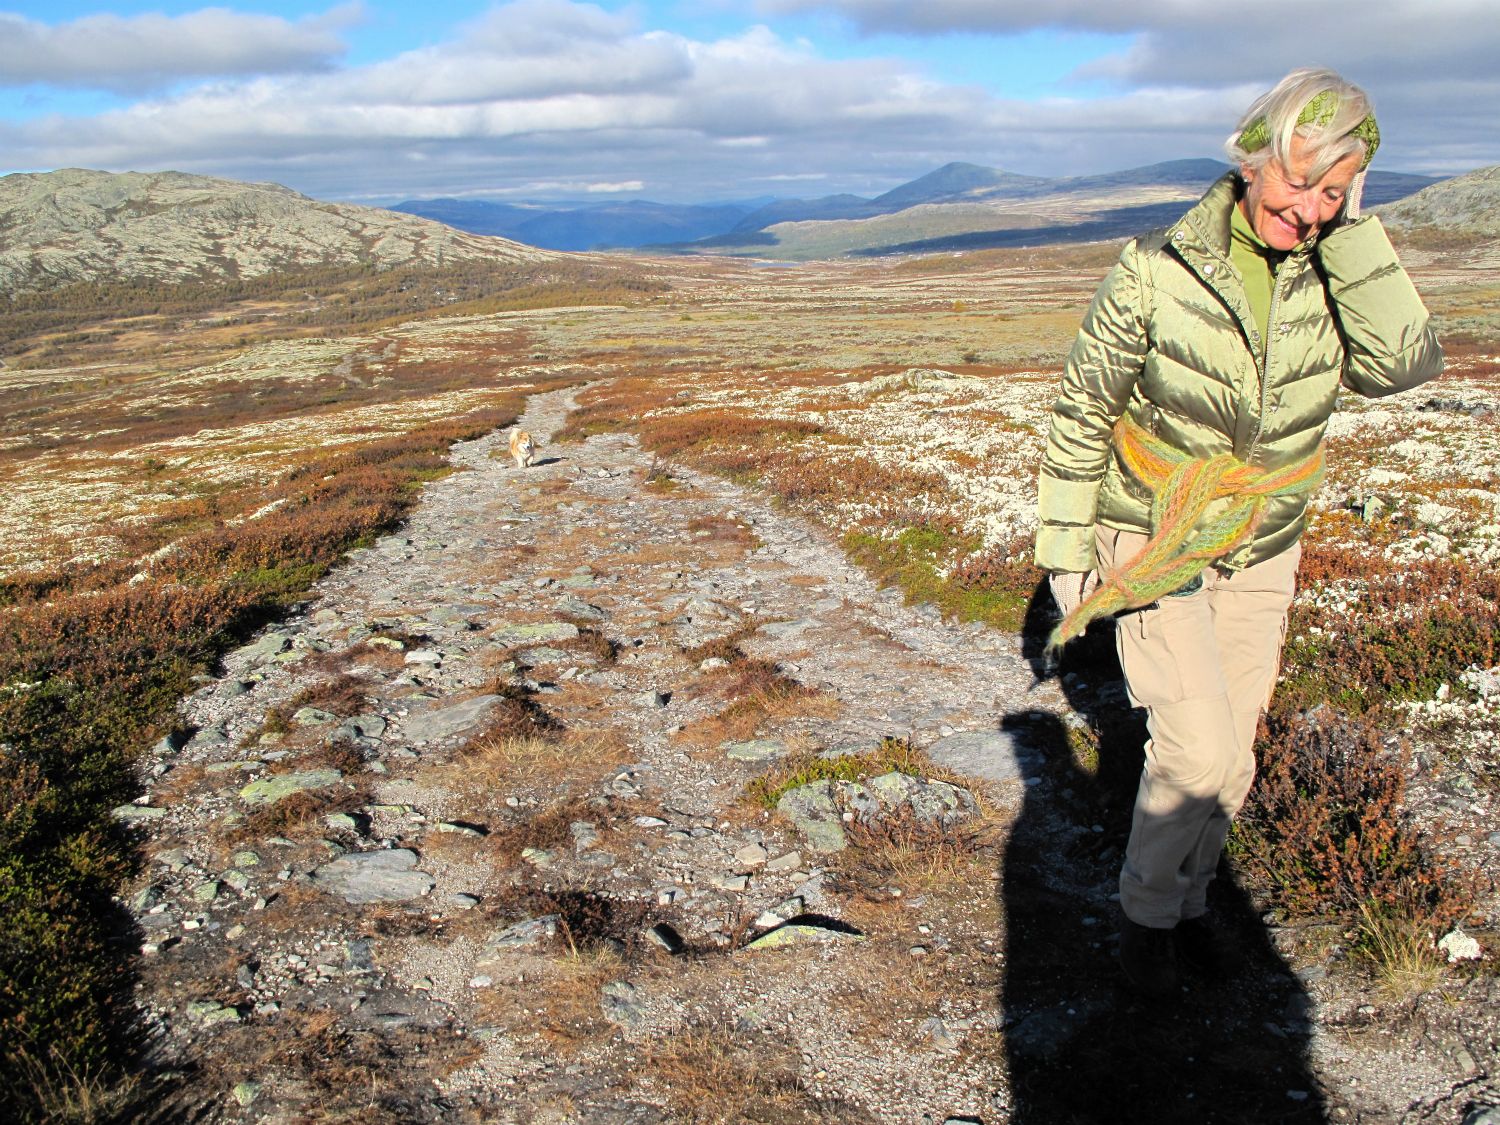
(1171,339)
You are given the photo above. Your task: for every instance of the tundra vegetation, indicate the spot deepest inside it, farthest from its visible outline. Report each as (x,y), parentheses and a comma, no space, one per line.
(180,464)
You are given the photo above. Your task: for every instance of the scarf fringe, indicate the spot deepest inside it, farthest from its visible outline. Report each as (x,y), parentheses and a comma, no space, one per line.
(1182,543)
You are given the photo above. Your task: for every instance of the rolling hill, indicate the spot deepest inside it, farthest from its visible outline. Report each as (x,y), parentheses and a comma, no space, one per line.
(75,225)
(1468,204)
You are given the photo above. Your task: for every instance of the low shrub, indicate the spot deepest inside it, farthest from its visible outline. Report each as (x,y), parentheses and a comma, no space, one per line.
(935,564)
(1326,826)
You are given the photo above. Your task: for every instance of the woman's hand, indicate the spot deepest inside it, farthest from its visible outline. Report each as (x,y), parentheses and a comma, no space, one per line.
(1070,589)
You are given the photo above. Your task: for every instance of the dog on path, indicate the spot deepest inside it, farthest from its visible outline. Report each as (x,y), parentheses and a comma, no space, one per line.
(522,448)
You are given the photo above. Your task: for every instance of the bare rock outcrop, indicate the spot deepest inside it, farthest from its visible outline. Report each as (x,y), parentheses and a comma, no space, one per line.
(1468,203)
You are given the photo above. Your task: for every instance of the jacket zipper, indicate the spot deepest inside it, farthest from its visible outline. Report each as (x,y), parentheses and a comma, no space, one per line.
(1265,356)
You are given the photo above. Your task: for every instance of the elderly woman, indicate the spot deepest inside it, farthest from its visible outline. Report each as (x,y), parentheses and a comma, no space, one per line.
(1184,444)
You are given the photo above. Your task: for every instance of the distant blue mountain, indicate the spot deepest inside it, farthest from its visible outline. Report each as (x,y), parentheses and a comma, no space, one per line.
(640,223)
(956,181)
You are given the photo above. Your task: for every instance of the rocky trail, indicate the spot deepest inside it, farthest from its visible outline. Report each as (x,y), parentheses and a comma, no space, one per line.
(466,838)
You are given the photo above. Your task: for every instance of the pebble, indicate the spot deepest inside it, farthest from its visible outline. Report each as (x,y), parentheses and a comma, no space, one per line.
(751,855)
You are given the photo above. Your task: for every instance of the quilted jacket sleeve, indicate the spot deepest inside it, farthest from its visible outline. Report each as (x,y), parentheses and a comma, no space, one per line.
(1102,368)
(1388,337)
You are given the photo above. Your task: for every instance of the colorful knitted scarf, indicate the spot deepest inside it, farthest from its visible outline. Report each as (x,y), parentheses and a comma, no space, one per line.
(1184,539)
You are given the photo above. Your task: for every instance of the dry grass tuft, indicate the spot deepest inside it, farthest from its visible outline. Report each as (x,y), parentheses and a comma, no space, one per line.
(517,715)
(558,999)
(593,643)
(299,813)
(496,762)
(759,693)
(1401,947)
(721,529)
(57,1092)
(725,648)
(899,848)
(714,1076)
(342,695)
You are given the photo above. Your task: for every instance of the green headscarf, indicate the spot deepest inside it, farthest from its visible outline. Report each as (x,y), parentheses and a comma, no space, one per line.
(1318,111)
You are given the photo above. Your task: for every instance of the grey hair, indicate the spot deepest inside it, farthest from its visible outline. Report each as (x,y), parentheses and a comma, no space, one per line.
(1329,142)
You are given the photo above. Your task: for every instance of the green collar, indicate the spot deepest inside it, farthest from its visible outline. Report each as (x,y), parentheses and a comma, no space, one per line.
(1241,232)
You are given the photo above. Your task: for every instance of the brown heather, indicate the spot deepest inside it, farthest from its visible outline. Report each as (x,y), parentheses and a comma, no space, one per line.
(1326,825)
(91,667)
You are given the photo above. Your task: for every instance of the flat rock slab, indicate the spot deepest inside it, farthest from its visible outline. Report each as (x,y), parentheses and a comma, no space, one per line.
(784,629)
(278,787)
(755,750)
(533,933)
(270,645)
(539,633)
(800,933)
(436,723)
(385,876)
(620,1001)
(136,813)
(994,755)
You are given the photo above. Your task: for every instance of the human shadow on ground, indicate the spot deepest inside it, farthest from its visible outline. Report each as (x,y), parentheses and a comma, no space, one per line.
(1082,1047)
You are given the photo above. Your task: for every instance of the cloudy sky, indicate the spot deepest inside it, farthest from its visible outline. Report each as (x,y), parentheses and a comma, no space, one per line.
(378,100)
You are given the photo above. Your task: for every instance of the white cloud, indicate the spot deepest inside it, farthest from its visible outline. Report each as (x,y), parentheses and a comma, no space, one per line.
(565,95)
(1193,41)
(138,53)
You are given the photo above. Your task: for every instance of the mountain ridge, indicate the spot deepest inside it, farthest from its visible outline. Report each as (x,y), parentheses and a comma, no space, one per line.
(79,225)
(954,185)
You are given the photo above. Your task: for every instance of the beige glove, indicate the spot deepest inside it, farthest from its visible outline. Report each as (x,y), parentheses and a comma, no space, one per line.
(1070,589)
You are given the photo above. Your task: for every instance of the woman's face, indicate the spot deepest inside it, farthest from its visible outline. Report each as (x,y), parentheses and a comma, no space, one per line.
(1284,206)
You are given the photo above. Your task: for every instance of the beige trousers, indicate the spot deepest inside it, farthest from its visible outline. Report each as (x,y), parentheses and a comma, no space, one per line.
(1203,663)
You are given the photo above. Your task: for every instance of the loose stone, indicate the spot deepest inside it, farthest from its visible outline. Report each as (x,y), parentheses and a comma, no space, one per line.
(278,787)
(384,876)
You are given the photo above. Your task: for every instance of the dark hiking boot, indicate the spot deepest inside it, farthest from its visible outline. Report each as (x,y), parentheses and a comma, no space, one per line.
(1199,947)
(1149,958)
